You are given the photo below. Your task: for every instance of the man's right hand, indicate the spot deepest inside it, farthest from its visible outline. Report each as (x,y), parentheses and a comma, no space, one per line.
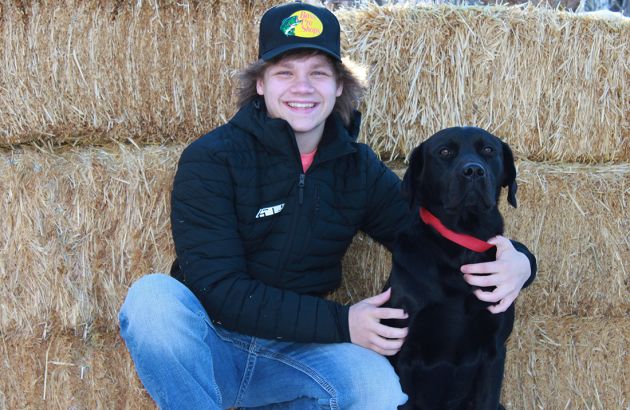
(366,329)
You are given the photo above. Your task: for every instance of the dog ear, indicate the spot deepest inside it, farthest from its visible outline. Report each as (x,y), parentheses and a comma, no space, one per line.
(509,174)
(408,185)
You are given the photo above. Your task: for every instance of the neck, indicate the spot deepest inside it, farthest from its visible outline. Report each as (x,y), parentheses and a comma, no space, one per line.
(308,141)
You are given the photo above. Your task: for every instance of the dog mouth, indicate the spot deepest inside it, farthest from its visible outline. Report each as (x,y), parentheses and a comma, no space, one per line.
(474,197)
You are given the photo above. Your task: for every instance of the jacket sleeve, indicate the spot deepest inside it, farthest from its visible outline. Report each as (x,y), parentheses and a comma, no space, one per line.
(213,263)
(387,212)
(532,261)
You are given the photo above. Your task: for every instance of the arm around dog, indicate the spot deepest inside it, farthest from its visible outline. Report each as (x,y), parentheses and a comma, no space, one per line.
(513,270)
(386,215)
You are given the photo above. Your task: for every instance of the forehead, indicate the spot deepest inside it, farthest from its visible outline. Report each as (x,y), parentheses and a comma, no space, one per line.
(463,136)
(299,60)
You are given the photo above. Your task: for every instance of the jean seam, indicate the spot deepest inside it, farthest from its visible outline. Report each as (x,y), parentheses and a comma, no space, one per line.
(328,388)
(215,386)
(247,373)
(226,338)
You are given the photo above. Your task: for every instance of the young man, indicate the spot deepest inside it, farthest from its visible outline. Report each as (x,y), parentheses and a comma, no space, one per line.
(263,210)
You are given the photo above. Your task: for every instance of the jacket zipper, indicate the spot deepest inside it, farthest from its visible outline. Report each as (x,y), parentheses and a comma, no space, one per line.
(283,260)
(301,189)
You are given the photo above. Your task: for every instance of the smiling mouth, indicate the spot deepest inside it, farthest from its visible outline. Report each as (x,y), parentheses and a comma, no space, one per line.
(301,105)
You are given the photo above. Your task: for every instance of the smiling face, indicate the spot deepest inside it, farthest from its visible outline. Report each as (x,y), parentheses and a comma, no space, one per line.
(301,90)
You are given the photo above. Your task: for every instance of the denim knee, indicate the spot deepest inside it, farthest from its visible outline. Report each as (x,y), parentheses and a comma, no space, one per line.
(156,307)
(371,383)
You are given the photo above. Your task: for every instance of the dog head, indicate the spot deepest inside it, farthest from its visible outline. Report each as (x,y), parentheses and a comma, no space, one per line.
(460,169)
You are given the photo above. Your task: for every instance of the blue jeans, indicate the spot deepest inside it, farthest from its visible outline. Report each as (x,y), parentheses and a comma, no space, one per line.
(186,362)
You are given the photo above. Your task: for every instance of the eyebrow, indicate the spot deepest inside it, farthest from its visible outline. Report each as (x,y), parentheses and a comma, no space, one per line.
(291,64)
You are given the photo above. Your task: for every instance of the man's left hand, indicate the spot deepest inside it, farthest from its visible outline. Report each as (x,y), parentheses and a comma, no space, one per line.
(508,273)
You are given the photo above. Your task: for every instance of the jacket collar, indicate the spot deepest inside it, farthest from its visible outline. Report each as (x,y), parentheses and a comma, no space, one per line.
(277,136)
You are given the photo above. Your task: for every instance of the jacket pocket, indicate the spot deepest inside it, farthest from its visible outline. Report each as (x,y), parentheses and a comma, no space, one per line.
(256,229)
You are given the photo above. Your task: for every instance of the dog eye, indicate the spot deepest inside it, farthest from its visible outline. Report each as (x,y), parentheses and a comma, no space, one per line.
(487,150)
(445,152)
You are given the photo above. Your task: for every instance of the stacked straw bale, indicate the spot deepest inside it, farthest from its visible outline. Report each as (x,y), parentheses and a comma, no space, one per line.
(80,226)
(88,72)
(83,221)
(554,364)
(94,220)
(542,80)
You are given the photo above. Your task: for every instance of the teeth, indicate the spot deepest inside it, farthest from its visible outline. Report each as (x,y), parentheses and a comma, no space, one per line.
(301,105)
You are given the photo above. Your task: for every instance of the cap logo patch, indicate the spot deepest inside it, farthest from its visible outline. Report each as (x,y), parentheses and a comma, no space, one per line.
(303,24)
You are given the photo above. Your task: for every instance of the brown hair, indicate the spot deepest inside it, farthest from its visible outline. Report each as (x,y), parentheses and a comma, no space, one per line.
(349,74)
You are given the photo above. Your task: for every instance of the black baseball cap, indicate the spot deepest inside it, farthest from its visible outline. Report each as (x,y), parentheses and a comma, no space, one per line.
(298,25)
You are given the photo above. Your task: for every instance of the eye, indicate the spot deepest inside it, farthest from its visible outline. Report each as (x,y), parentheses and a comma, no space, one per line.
(321,74)
(487,150)
(445,152)
(283,73)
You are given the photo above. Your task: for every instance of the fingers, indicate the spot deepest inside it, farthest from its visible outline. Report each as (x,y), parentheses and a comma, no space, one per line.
(494,296)
(367,331)
(484,267)
(385,347)
(501,242)
(484,281)
(379,299)
(390,313)
(503,305)
(391,332)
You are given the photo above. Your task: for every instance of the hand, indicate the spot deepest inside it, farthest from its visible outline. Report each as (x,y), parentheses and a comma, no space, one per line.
(508,273)
(366,329)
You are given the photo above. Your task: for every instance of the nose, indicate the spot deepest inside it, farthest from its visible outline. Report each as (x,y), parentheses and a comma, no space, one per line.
(302,85)
(473,170)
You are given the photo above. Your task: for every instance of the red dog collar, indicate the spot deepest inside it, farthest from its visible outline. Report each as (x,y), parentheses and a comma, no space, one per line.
(467,241)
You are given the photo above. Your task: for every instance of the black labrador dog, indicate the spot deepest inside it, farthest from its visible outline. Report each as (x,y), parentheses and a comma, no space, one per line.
(454,354)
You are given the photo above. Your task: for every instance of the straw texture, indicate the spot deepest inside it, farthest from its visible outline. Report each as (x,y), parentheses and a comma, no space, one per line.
(568,363)
(66,371)
(73,71)
(80,226)
(86,210)
(553,84)
(551,364)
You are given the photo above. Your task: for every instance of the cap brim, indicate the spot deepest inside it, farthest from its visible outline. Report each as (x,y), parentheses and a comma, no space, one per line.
(283,49)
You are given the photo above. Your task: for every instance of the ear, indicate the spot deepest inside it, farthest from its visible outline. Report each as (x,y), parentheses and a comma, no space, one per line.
(509,174)
(339,90)
(408,186)
(260,86)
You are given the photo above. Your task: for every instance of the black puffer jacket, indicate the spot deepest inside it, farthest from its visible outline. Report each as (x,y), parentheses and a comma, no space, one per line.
(259,242)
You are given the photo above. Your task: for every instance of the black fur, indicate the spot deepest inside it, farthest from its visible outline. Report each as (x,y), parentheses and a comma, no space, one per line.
(454,354)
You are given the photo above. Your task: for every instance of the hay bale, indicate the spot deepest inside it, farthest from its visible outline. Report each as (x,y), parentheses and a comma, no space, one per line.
(66,371)
(87,72)
(552,363)
(78,228)
(568,363)
(80,72)
(81,225)
(553,84)
(575,220)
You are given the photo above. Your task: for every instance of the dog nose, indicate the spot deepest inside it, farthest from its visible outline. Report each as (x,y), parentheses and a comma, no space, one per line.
(473,170)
